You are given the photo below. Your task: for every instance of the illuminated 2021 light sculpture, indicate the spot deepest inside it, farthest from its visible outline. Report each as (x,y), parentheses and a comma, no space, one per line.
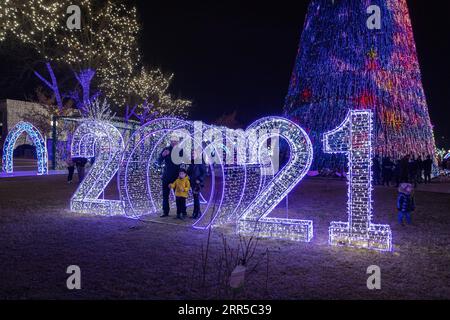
(38,141)
(244,187)
(354,138)
(102,141)
(255,220)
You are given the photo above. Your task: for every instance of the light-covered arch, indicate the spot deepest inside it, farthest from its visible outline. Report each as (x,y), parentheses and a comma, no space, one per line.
(38,141)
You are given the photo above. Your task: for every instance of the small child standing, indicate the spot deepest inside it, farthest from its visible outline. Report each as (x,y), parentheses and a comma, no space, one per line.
(182,187)
(405,202)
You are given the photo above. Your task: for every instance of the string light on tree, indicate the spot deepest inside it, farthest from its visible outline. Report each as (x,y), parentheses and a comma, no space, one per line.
(106,44)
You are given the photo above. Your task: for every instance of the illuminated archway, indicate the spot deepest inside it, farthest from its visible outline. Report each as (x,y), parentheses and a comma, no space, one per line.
(38,141)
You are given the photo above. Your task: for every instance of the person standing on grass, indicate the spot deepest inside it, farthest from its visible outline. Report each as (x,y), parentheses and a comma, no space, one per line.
(427,167)
(80,163)
(397,173)
(170,172)
(386,171)
(419,166)
(405,202)
(376,169)
(182,187)
(404,169)
(71,168)
(412,171)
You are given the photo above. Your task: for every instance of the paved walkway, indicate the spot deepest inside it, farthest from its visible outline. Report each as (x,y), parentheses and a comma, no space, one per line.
(29,173)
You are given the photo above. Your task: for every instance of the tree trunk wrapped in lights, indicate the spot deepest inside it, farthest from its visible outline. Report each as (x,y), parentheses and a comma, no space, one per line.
(343,64)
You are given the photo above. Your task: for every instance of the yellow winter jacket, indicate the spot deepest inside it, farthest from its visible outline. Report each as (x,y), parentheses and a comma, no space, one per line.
(181,186)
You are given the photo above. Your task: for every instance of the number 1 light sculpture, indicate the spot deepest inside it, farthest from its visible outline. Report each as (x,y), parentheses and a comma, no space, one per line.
(354,138)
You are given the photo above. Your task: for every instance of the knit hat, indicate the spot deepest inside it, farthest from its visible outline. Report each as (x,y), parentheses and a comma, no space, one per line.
(404,187)
(174,137)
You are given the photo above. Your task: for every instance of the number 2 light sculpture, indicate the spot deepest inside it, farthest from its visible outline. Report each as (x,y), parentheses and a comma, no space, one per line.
(354,138)
(255,220)
(102,141)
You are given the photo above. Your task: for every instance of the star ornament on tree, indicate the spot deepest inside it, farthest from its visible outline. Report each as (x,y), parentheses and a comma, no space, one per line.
(373,54)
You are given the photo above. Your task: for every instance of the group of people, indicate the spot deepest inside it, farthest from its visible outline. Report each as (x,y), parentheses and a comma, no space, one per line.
(181,178)
(406,170)
(406,173)
(80,164)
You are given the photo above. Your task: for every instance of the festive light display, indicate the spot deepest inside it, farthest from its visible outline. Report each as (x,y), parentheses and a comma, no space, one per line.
(106,46)
(150,87)
(103,142)
(38,141)
(354,138)
(255,220)
(140,175)
(242,193)
(342,65)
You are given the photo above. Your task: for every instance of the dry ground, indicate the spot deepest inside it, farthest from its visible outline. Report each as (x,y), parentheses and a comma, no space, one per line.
(122,258)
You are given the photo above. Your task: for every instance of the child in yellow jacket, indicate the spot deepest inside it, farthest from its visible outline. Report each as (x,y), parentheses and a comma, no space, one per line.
(182,187)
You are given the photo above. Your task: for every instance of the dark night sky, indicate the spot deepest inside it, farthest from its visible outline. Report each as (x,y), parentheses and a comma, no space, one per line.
(239,57)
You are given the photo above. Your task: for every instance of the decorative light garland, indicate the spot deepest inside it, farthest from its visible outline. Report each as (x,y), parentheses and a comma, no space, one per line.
(38,141)
(354,138)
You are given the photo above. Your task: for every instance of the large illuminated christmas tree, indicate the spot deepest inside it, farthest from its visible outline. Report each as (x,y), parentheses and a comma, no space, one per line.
(343,64)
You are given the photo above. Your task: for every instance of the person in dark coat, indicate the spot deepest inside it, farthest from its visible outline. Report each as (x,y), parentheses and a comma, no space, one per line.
(170,172)
(397,173)
(197,172)
(404,169)
(412,171)
(71,168)
(386,171)
(419,169)
(376,169)
(80,163)
(405,202)
(427,167)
